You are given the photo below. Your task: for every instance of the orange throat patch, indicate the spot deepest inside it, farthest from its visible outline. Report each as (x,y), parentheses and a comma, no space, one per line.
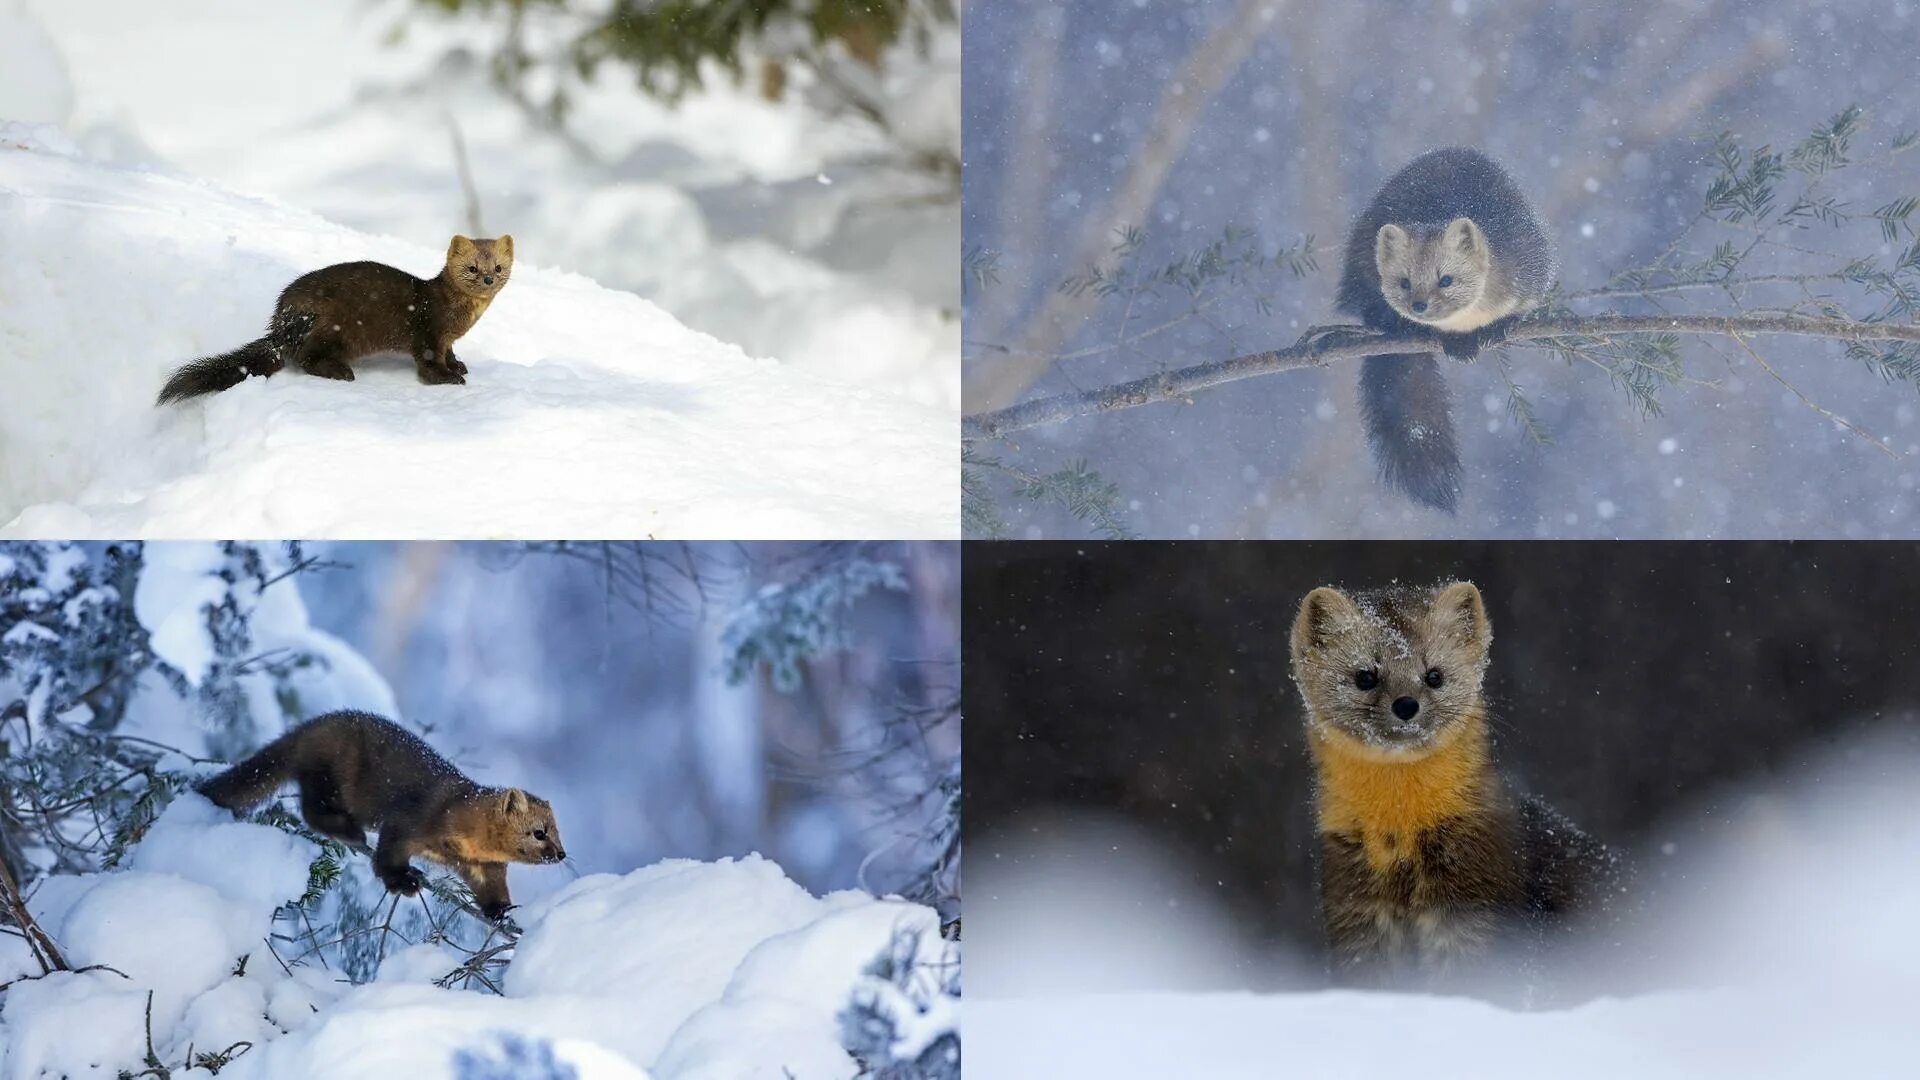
(1386,803)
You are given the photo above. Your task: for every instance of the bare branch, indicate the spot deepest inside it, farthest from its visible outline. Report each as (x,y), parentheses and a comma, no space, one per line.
(44,951)
(1345,343)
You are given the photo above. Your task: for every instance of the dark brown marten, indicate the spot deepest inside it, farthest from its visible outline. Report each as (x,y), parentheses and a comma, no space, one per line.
(335,316)
(357,771)
(1428,856)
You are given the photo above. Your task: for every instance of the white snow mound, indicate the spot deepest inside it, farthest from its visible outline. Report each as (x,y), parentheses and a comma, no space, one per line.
(696,971)
(588,412)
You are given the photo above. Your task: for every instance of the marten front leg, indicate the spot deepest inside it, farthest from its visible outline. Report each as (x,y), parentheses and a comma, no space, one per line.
(390,862)
(435,363)
(1467,346)
(489,884)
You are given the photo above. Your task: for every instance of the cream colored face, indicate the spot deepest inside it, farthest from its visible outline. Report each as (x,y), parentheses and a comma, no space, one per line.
(537,839)
(1433,276)
(1392,672)
(480,267)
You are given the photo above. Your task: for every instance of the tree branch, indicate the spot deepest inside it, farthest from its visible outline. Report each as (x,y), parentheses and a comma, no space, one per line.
(45,952)
(1321,347)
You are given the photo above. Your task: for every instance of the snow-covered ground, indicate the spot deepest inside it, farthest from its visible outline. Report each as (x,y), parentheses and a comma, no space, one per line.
(590,412)
(1783,949)
(687,969)
(176,927)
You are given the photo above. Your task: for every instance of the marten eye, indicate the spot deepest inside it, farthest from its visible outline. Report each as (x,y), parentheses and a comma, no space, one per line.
(1434,678)
(1446,280)
(473,269)
(539,834)
(1366,680)
(496,268)
(1406,283)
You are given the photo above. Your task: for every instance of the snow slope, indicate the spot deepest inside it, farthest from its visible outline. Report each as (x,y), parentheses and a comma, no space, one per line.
(694,971)
(768,224)
(588,412)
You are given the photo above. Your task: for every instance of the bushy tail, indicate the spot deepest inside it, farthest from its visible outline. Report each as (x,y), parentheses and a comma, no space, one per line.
(213,374)
(244,786)
(1403,400)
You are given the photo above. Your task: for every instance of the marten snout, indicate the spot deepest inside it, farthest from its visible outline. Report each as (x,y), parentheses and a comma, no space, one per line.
(1405,708)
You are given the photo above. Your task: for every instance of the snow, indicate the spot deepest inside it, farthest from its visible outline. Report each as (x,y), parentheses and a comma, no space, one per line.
(588,413)
(663,974)
(1785,954)
(180,581)
(717,971)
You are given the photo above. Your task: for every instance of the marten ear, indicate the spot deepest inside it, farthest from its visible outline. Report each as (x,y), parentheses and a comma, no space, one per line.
(1389,244)
(513,801)
(1465,237)
(459,249)
(1322,614)
(505,244)
(1459,613)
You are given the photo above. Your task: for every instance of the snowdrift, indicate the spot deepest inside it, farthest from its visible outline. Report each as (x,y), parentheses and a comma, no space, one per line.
(1782,947)
(696,971)
(588,412)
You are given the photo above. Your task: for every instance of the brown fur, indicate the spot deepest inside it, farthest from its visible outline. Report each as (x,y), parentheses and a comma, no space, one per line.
(1426,855)
(358,771)
(336,316)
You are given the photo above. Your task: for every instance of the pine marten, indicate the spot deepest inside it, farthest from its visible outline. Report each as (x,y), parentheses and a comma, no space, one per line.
(1428,858)
(338,315)
(358,771)
(1452,247)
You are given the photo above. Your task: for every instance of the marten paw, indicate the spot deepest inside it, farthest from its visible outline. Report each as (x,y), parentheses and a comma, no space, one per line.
(496,910)
(1461,347)
(455,365)
(406,882)
(436,376)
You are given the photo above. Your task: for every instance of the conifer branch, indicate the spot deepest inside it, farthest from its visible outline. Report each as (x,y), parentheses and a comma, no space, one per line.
(1325,345)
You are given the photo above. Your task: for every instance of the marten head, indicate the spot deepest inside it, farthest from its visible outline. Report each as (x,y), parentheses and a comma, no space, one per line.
(1430,274)
(524,829)
(1395,673)
(480,268)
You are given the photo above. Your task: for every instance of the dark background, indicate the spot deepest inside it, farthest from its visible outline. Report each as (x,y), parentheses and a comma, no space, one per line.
(1630,683)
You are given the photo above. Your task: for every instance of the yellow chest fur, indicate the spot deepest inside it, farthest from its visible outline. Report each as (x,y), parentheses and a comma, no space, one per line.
(464,311)
(1387,803)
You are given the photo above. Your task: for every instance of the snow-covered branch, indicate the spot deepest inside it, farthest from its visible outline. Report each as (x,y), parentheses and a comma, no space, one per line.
(1325,345)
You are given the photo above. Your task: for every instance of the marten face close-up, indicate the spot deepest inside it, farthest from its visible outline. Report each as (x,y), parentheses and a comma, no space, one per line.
(480,267)
(1433,275)
(1391,672)
(534,834)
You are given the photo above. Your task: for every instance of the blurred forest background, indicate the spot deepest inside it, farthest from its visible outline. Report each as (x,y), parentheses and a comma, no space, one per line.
(782,175)
(1635,686)
(1185,122)
(671,700)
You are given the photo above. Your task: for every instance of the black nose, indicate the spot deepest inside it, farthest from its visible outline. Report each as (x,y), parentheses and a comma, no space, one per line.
(489,280)
(1418,305)
(1405,707)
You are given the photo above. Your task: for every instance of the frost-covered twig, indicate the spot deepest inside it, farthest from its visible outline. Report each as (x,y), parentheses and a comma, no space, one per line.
(45,952)
(1326,348)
